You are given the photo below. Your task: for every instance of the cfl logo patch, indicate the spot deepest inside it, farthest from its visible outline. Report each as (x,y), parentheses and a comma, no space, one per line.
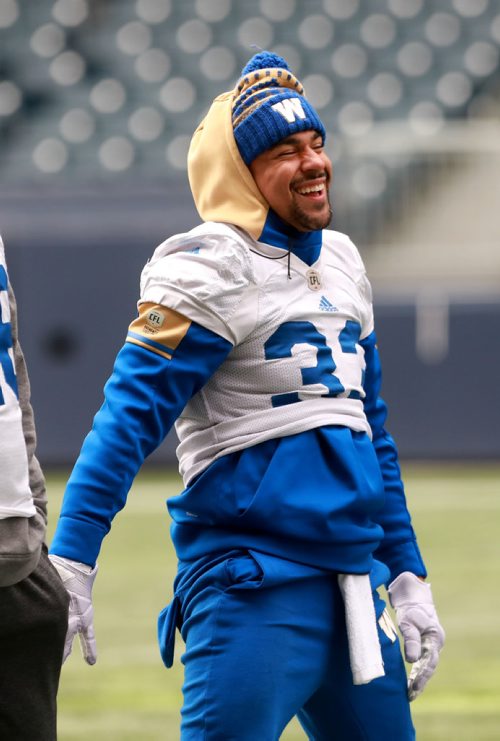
(155,319)
(313,279)
(290,108)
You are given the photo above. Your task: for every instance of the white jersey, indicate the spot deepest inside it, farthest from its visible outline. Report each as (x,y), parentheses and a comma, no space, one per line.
(296,361)
(15,494)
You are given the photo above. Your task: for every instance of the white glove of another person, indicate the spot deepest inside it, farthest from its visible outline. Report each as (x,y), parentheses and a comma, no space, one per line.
(78,579)
(418,622)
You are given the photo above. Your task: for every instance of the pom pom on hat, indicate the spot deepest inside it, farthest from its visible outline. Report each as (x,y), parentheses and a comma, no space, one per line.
(269,105)
(263,60)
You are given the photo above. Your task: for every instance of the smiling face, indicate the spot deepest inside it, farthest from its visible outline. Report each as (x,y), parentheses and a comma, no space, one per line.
(294,176)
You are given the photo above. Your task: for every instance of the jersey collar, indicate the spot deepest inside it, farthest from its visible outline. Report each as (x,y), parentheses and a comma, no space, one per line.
(305,245)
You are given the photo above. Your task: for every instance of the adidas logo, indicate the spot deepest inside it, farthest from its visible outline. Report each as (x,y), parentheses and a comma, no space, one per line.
(325,305)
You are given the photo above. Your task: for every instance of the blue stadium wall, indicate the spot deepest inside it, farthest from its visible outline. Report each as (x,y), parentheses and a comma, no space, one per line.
(77,283)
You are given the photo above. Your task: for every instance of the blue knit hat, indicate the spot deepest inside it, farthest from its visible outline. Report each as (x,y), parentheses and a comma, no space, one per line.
(269,105)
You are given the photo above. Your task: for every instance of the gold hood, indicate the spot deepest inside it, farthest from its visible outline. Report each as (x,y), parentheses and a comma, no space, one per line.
(222,186)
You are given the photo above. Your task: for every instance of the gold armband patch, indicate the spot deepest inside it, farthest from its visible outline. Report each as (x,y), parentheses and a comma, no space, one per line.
(158,329)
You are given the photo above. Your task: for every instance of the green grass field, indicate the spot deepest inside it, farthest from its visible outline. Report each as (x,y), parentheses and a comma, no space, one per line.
(129,696)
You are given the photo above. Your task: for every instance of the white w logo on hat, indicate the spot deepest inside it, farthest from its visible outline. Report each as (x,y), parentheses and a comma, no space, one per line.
(290,109)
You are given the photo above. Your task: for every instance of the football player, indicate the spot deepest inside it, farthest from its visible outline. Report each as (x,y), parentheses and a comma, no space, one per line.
(33,602)
(255,336)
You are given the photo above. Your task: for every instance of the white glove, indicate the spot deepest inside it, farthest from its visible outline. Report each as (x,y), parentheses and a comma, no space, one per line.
(418,622)
(78,579)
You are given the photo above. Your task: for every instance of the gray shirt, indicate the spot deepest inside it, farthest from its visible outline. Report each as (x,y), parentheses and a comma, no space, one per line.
(21,538)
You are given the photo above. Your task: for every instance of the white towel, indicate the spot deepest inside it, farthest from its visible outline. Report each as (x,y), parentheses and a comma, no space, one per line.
(364,645)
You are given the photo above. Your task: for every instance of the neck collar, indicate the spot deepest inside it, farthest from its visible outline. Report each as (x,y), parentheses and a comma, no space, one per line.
(305,245)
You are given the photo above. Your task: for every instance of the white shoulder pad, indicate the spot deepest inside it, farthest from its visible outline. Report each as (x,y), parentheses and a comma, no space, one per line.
(206,275)
(345,256)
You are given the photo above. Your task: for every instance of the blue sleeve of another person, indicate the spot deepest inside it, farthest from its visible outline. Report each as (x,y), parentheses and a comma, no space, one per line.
(399,549)
(143,397)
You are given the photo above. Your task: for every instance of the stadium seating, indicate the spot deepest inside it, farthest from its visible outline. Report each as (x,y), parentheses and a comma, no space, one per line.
(98,90)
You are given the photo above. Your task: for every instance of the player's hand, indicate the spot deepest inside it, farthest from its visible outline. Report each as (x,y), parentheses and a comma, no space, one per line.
(418,622)
(78,579)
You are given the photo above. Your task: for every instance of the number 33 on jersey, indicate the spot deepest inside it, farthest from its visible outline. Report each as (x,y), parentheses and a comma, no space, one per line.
(296,361)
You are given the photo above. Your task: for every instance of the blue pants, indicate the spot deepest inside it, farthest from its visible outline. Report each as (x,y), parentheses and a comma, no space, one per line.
(265,641)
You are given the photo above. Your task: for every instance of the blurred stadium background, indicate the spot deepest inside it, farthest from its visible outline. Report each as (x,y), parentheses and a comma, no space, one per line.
(98,99)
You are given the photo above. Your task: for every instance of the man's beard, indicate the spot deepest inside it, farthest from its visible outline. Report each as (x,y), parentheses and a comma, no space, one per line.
(311,222)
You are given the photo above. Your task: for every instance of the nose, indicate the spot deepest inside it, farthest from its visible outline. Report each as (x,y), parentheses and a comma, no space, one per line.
(312,159)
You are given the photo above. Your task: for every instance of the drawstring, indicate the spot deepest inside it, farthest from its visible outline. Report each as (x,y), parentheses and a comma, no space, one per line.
(280,257)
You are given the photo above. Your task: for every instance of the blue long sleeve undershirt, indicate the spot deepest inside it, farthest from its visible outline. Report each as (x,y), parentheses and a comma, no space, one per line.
(399,548)
(143,397)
